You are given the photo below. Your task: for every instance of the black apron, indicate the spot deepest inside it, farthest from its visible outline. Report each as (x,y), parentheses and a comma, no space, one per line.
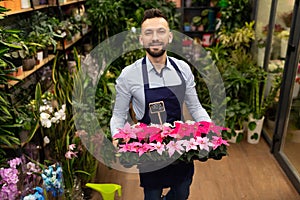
(173,97)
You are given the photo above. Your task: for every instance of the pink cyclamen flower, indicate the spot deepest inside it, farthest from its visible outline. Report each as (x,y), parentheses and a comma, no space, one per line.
(203,143)
(144,148)
(190,144)
(127,132)
(204,127)
(153,132)
(159,147)
(71,154)
(218,141)
(175,146)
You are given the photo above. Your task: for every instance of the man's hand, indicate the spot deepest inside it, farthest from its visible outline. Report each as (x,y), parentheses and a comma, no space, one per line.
(115,142)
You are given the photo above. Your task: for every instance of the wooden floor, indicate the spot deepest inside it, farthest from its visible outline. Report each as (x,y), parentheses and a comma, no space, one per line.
(250,172)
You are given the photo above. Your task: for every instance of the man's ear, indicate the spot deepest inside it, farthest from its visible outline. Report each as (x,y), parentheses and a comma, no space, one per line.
(170,37)
(141,40)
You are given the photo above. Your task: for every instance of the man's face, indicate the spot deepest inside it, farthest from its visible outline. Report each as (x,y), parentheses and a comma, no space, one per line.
(155,36)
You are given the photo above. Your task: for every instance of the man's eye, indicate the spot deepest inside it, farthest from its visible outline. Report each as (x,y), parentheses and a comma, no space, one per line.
(148,33)
(161,32)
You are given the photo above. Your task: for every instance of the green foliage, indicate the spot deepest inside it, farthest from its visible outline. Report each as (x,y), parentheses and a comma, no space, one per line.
(235,14)
(109,17)
(7,112)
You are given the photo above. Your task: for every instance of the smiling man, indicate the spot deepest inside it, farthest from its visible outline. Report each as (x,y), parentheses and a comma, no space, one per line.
(163,83)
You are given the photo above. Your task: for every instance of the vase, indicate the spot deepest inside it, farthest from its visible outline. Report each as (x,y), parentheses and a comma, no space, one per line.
(28,63)
(296,90)
(206,39)
(270,82)
(188,3)
(253,135)
(283,47)
(233,139)
(39,56)
(261,56)
(25,4)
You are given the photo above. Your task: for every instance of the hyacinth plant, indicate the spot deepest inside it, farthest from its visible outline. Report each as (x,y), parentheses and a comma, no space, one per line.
(53,180)
(19,179)
(187,140)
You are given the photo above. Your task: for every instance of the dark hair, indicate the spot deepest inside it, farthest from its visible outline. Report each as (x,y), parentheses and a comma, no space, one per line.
(152,13)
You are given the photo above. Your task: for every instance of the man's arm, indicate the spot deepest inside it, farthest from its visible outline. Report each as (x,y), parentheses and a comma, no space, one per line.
(121,106)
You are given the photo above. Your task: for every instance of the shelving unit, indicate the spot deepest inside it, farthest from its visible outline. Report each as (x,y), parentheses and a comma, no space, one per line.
(25,74)
(206,15)
(61,50)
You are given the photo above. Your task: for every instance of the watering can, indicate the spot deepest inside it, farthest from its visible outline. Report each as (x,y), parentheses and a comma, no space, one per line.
(107,190)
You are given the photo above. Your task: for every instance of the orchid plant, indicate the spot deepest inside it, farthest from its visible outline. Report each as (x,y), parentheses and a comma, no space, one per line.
(190,140)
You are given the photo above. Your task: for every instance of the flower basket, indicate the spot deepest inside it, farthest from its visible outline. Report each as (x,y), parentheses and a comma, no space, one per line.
(184,141)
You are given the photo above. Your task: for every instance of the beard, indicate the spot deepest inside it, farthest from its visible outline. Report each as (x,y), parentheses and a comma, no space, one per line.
(156,54)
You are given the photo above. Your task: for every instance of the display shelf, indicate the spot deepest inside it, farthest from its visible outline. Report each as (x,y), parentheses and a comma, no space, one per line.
(40,7)
(28,73)
(71,43)
(15,12)
(71,2)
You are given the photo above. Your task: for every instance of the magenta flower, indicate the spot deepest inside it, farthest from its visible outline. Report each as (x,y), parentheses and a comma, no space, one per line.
(186,129)
(144,149)
(127,132)
(187,136)
(218,141)
(204,128)
(153,132)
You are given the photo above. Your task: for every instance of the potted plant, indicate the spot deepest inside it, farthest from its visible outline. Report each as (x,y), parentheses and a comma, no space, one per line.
(187,26)
(259,102)
(236,114)
(196,23)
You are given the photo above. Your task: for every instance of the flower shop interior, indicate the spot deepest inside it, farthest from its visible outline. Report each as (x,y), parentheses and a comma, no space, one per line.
(58,68)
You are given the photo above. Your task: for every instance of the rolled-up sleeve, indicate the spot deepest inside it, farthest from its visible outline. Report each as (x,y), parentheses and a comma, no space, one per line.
(121,106)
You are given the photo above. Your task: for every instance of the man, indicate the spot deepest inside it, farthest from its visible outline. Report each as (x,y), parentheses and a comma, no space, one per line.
(158,79)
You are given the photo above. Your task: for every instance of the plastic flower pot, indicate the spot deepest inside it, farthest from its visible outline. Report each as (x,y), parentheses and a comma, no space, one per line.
(107,190)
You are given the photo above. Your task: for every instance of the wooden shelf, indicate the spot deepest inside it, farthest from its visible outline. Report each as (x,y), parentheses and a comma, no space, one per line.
(71,2)
(41,7)
(68,45)
(18,11)
(28,73)
(15,12)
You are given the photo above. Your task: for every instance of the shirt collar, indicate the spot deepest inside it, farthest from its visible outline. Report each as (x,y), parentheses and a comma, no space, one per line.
(151,68)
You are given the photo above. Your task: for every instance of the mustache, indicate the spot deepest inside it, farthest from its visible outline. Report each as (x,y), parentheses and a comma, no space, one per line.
(156,44)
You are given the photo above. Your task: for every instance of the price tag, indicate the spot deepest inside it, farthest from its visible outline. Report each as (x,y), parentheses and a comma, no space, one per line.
(157,107)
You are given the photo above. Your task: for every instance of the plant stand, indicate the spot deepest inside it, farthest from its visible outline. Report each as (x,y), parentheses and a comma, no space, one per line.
(261,56)
(253,135)
(234,138)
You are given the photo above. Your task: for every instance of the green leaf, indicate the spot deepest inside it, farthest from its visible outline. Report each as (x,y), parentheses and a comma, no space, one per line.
(252,125)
